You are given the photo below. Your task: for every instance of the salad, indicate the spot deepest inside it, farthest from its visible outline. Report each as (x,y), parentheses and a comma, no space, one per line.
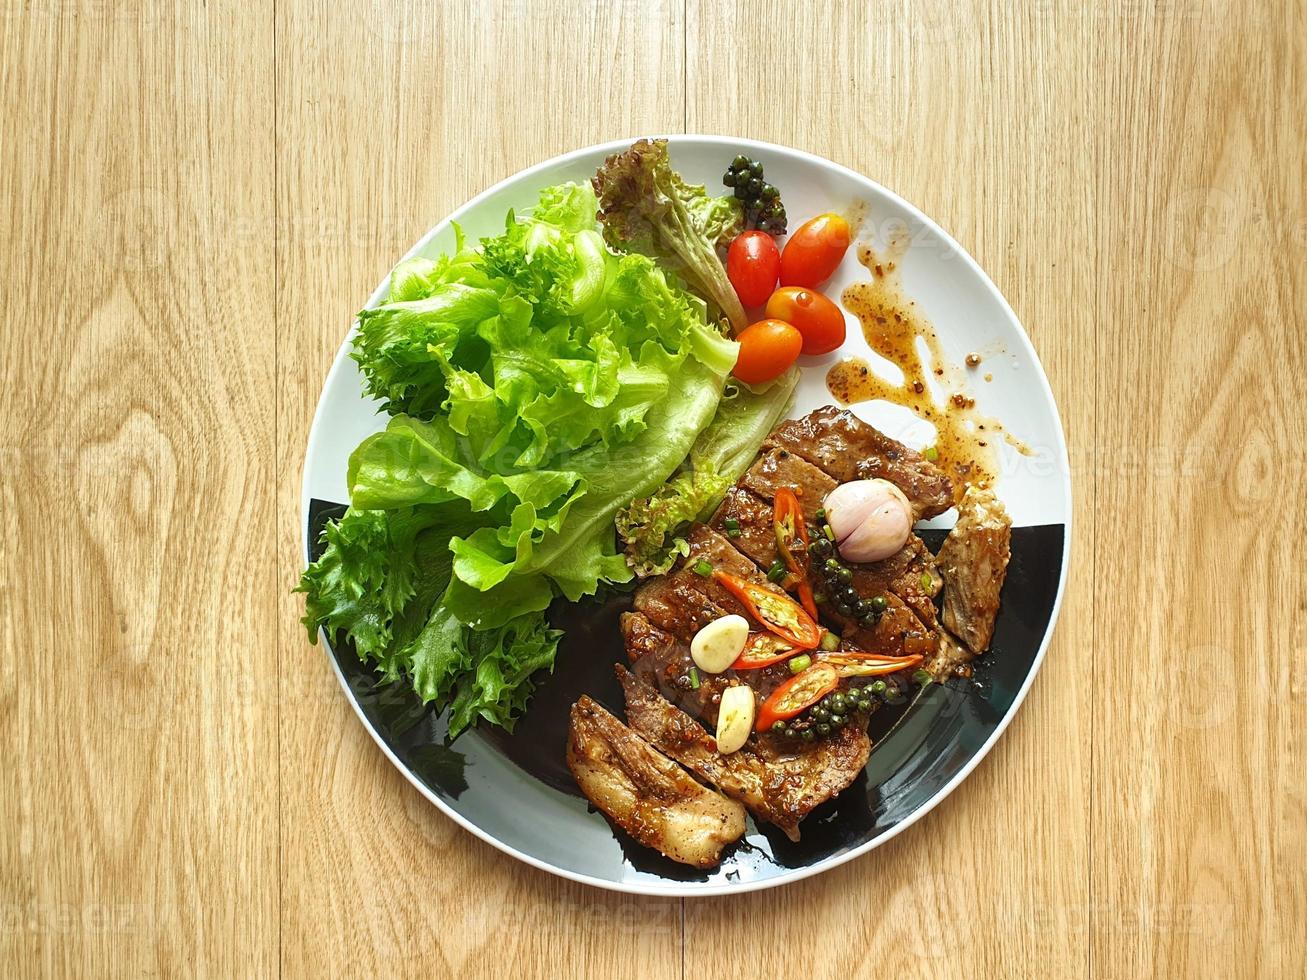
(565,400)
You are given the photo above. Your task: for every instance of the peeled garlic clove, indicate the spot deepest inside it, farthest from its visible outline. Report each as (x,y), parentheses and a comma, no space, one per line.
(871,519)
(734,718)
(719,644)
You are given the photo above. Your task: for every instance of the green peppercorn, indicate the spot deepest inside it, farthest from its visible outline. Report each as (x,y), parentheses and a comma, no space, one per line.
(864,704)
(837,721)
(778,726)
(832,566)
(821,713)
(878,687)
(879,603)
(845,575)
(823,729)
(807,735)
(850,596)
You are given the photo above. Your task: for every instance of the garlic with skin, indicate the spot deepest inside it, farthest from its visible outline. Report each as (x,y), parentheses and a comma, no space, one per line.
(871,519)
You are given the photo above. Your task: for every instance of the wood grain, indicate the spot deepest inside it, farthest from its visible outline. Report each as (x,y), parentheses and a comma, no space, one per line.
(194,201)
(139,582)
(457,97)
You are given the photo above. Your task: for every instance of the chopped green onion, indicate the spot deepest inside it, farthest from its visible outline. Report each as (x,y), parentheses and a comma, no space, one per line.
(731,524)
(734,534)
(927,583)
(931,454)
(821,513)
(830,641)
(826,530)
(800,663)
(922,676)
(694,678)
(702,567)
(777,571)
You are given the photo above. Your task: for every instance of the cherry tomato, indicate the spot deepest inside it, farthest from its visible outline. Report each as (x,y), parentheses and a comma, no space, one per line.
(819,320)
(767,349)
(753,262)
(815,251)
(797,694)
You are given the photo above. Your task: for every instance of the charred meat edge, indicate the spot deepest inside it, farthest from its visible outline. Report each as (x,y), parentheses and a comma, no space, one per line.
(973,562)
(645,793)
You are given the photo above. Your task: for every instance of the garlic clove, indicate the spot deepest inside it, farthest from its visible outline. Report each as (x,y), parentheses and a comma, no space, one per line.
(719,644)
(735,718)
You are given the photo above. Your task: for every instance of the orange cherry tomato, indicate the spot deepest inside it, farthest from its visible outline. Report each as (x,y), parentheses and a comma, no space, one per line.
(819,320)
(796,694)
(753,263)
(767,349)
(815,251)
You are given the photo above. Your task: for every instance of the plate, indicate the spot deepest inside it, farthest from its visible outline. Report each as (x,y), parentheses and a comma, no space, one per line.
(514,791)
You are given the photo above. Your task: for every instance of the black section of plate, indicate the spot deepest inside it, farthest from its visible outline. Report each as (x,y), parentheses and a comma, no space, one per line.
(920,745)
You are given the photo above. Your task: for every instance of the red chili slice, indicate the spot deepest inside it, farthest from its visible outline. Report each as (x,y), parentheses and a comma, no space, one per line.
(775,610)
(792,542)
(797,694)
(854,663)
(763,650)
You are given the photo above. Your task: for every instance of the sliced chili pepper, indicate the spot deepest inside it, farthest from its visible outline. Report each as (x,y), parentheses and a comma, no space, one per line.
(775,610)
(854,663)
(792,542)
(763,650)
(796,694)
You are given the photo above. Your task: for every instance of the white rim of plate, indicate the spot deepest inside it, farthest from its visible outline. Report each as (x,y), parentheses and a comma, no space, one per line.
(681,889)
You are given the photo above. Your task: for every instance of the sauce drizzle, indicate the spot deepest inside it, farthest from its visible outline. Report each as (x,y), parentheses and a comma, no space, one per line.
(932,387)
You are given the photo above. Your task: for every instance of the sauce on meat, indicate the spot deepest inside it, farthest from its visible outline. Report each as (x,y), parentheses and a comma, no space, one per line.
(966,439)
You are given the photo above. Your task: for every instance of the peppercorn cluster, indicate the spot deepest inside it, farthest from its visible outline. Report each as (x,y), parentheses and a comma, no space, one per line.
(761,201)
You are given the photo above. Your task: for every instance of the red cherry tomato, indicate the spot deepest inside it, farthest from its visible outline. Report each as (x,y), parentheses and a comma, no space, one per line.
(819,320)
(815,251)
(767,349)
(752,264)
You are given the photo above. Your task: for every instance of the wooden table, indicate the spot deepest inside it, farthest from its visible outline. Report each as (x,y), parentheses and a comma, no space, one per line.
(195,197)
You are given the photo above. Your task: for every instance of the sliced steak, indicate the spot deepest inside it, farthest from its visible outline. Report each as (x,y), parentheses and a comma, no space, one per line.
(663,661)
(846,448)
(781,468)
(647,794)
(780,787)
(910,574)
(757,530)
(973,561)
(683,601)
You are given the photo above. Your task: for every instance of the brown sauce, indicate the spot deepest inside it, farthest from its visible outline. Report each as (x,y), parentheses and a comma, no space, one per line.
(966,440)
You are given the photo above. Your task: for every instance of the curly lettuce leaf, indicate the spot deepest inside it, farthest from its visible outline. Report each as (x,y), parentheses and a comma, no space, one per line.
(647,208)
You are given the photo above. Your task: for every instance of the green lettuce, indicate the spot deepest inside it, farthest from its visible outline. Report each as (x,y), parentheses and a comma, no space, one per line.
(536,383)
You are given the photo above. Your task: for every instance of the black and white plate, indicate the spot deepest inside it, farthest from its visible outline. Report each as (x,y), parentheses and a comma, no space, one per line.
(515,792)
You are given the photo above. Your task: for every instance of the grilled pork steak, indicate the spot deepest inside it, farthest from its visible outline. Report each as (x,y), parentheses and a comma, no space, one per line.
(777,786)
(645,793)
(973,561)
(846,448)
